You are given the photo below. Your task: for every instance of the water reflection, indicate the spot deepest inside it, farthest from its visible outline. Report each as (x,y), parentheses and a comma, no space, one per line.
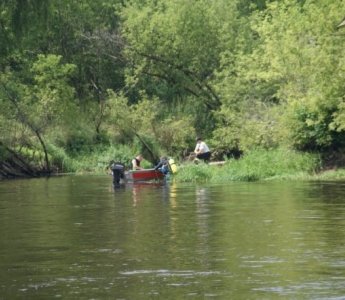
(142,190)
(202,198)
(78,237)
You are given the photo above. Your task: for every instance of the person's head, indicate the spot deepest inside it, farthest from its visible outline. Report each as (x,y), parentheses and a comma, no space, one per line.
(198,139)
(139,157)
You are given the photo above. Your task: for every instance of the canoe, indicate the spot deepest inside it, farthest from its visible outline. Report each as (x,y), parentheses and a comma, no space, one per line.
(217,163)
(144,175)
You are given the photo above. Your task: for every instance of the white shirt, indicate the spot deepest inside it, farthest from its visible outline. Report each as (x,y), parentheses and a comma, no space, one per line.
(201,148)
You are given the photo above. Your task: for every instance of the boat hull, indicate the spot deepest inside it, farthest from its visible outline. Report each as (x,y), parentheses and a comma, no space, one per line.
(144,175)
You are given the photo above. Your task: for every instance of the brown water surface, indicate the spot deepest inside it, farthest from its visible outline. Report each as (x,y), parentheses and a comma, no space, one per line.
(76,237)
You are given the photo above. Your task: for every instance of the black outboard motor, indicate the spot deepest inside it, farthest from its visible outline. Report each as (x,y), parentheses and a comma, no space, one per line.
(118,170)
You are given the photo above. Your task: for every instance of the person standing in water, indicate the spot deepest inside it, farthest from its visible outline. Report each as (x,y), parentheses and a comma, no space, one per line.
(118,172)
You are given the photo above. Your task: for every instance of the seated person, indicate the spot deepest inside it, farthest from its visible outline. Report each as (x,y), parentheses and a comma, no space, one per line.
(136,162)
(201,150)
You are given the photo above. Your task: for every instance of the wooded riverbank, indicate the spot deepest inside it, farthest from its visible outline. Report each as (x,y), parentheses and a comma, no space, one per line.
(82,83)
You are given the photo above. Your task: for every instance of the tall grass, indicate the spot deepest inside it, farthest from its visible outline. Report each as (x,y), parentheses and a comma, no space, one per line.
(60,161)
(255,165)
(335,174)
(194,173)
(95,162)
(98,161)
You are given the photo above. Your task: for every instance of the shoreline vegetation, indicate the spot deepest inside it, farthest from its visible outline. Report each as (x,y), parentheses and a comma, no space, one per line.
(256,165)
(261,165)
(117,78)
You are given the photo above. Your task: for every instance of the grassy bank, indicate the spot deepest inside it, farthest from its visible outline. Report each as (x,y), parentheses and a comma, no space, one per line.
(256,165)
(277,164)
(95,162)
(280,164)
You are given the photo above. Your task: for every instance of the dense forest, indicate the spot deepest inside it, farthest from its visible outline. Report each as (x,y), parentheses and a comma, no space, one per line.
(112,78)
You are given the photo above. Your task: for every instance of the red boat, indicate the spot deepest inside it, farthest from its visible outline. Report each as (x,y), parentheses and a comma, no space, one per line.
(144,175)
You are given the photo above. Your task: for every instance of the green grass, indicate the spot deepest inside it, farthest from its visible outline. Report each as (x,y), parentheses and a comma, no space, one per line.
(194,173)
(255,165)
(95,162)
(98,161)
(336,174)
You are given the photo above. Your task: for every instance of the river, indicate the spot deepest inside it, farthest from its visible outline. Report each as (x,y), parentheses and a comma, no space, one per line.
(76,237)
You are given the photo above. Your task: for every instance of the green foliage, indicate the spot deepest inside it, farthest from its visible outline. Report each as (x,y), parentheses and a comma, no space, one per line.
(99,160)
(142,120)
(301,54)
(255,165)
(78,142)
(43,100)
(337,174)
(175,47)
(289,60)
(38,102)
(194,173)
(3,152)
(33,156)
(308,130)
(262,164)
(53,94)
(148,146)
(137,117)
(173,134)
(61,162)
(243,74)
(248,114)
(243,130)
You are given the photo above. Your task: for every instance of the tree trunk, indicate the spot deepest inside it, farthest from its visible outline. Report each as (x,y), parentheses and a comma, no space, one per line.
(46,158)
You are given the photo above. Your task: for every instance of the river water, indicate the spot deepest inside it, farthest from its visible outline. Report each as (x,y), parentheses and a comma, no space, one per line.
(76,237)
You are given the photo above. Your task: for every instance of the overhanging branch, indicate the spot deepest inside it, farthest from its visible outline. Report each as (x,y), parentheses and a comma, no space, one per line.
(199,83)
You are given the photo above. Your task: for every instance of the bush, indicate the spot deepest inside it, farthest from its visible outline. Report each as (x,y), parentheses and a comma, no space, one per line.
(174,134)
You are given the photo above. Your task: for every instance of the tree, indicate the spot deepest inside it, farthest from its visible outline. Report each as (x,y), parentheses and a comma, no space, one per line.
(294,68)
(302,54)
(39,102)
(173,49)
(144,121)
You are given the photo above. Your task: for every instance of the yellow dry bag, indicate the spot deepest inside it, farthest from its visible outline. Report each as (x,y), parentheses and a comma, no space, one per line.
(172,165)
